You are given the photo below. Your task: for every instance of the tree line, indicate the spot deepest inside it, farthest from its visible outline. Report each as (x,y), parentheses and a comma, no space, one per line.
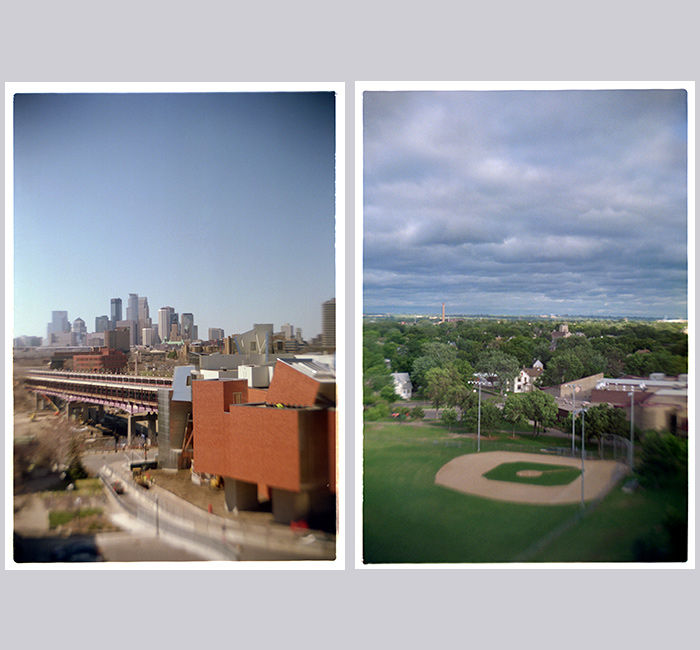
(443,359)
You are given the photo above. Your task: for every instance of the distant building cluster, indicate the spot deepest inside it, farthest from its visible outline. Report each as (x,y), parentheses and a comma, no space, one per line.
(173,330)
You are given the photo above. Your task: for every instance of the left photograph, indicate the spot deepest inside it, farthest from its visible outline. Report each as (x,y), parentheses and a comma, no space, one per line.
(173,301)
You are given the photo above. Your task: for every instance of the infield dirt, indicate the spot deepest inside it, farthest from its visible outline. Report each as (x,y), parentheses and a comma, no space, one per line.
(465,474)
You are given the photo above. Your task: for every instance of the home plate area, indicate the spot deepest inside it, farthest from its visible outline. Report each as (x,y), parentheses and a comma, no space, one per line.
(466,474)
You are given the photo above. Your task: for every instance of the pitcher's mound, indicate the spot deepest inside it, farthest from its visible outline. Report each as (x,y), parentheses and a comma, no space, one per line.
(465,474)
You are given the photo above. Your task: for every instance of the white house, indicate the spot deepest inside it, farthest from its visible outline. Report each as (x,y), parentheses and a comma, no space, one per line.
(402,384)
(524,382)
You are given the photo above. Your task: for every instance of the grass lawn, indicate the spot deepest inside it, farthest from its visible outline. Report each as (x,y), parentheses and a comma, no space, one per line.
(546,474)
(615,531)
(409,519)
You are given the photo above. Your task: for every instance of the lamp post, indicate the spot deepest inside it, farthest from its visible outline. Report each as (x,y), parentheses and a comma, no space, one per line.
(631,447)
(583,451)
(573,420)
(478,423)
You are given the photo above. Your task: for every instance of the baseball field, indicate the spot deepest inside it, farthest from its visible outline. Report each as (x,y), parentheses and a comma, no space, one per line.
(426,500)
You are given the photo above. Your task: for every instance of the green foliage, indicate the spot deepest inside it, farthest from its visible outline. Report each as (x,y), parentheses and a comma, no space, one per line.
(541,408)
(550,474)
(387,393)
(522,348)
(664,460)
(378,412)
(514,410)
(417,413)
(500,368)
(434,355)
(441,383)
(600,420)
(491,417)
(62,517)
(449,417)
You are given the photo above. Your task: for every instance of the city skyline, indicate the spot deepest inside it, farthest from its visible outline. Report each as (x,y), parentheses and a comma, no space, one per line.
(92,323)
(526,202)
(221,204)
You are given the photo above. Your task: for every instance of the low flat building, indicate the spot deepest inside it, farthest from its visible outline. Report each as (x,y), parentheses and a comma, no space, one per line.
(104,359)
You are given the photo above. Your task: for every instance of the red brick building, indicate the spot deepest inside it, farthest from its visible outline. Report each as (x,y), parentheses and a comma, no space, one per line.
(279,443)
(104,359)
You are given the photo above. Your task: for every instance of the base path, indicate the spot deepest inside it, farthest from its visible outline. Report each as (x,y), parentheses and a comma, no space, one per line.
(465,474)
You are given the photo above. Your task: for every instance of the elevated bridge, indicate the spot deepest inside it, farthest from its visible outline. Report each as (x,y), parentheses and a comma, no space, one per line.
(134,395)
(129,393)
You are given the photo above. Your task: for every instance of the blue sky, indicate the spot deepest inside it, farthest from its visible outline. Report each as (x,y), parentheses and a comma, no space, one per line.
(219,204)
(526,202)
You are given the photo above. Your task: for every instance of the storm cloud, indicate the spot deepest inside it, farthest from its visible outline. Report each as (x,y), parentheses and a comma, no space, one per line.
(526,202)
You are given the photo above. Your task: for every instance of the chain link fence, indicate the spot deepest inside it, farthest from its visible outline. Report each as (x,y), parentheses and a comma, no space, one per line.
(221,538)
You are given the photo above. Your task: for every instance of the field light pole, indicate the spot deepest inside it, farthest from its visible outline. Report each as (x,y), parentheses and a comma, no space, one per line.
(583,451)
(631,447)
(573,420)
(478,424)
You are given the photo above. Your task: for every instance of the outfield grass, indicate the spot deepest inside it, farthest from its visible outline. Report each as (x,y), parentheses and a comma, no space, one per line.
(550,474)
(408,519)
(614,531)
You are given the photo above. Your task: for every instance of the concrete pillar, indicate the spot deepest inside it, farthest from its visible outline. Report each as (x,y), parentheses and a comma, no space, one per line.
(152,428)
(240,494)
(290,506)
(129,426)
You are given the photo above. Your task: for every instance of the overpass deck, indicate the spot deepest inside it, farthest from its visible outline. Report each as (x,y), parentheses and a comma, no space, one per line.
(131,393)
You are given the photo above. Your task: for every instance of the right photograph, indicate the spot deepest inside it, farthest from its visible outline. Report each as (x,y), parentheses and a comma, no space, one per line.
(525,324)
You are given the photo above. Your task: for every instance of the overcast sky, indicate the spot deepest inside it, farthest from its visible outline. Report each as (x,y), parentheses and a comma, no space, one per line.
(526,202)
(219,204)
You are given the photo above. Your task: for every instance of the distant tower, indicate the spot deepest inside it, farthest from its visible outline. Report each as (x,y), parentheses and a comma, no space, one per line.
(187,327)
(115,311)
(164,322)
(288,331)
(59,323)
(443,313)
(328,324)
(101,324)
(80,331)
(132,307)
(216,334)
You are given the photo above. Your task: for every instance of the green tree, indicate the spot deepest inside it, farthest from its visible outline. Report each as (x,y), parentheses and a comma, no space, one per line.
(434,355)
(514,410)
(440,383)
(541,408)
(500,368)
(491,416)
(664,460)
(449,417)
(417,413)
(522,348)
(600,420)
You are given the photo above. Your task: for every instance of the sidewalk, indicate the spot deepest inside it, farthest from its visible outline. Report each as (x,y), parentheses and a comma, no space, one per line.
(225,538)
